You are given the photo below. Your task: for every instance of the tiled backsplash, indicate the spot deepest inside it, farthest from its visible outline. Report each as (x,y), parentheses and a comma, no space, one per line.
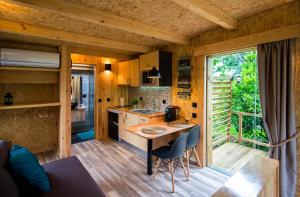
(152,97)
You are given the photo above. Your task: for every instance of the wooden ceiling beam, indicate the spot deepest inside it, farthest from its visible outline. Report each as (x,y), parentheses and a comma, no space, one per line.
(208,11)
(86,14)
(251,40)
(54,34)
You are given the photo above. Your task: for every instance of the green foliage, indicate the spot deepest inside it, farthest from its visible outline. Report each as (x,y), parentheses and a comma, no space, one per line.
(245,93)
(135,101)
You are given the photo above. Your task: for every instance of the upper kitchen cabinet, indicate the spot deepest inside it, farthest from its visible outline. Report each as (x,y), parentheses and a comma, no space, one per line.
(148,60)
(134,72)
(123,73)
(162,60)
(129,73)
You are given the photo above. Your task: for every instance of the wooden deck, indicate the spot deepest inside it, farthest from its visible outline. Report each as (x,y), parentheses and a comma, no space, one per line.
(121,171)
(230,157)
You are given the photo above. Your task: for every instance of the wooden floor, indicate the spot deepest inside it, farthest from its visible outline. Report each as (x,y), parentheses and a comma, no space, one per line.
(121,171)
(230,157)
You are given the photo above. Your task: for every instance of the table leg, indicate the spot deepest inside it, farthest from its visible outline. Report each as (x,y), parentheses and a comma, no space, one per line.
(149,157)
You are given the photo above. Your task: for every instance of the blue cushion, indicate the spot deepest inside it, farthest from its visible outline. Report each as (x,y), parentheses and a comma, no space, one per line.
(25,166)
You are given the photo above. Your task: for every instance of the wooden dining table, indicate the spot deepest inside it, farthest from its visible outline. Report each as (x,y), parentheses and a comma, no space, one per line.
(170,128)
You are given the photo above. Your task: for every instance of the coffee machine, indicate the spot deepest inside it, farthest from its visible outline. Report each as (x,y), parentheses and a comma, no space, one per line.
(171,113)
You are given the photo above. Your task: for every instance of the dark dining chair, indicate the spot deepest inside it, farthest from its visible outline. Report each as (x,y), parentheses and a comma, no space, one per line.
(193,139)
(170,153)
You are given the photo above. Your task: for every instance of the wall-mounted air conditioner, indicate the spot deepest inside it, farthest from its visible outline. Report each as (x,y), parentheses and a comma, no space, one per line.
(28,58)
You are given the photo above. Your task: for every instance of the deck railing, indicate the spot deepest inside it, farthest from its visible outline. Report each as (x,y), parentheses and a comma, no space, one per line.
(228,136)
(240,129)
(220,113)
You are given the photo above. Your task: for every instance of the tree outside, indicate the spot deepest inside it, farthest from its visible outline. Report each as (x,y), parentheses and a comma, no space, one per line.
(241,69)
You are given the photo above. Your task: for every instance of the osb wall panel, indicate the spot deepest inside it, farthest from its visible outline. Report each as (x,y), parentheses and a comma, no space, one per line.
(160,13)
(175,18)
(36,129)
(280,16)
(285,15)
(197,90)
(35,17)
(27,42)
(181,52)
(243,8)
(30,93)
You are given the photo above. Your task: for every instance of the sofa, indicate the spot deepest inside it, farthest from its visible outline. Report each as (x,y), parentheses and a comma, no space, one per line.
(67,177)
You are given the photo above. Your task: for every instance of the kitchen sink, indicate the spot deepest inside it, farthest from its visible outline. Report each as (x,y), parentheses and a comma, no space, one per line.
(143,111)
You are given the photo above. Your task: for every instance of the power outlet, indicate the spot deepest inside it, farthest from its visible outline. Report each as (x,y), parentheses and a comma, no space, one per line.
(194,115)
(194,105)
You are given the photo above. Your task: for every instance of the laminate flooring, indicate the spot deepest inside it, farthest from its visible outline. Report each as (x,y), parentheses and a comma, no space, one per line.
(120,170)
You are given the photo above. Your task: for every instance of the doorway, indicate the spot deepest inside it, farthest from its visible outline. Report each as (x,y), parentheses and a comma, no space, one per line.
(235,131)
(82,102)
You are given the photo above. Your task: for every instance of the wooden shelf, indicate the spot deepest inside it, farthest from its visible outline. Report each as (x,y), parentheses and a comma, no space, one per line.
(18,68)
(28,105)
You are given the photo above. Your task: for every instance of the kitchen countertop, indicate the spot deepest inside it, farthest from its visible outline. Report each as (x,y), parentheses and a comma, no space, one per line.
(127,110)
(169,129)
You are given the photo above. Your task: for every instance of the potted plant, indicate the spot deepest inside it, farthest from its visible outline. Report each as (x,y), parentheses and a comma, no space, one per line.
(135,102)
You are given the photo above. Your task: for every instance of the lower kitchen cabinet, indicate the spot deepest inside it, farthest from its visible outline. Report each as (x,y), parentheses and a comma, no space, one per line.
(126,120)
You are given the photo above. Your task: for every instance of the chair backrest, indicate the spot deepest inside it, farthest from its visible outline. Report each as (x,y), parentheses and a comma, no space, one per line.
(179,146)
(193,137)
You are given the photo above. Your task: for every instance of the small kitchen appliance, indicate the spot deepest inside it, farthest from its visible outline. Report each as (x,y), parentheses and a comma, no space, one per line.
(171,113)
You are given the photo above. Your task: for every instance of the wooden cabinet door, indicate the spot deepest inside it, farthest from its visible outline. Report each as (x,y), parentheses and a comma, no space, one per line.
(149,60)
(134,72)
(123,73)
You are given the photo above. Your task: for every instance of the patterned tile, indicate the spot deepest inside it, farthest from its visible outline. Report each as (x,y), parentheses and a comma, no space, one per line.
(152,97)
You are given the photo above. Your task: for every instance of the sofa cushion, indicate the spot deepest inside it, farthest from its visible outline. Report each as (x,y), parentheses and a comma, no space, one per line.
(68,177)
(26,169)
(8,187)
(4,152)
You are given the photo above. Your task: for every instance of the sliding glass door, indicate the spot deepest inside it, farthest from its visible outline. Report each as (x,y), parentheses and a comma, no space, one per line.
(235,132)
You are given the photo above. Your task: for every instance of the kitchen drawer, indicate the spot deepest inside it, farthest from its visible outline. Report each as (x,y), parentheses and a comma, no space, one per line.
(131,119)
(143,120)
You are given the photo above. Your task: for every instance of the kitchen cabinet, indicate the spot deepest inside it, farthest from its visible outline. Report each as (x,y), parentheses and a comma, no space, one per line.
(126,120)
(134,72)
(147,61)
(129,73)
(123,73)
(162,60)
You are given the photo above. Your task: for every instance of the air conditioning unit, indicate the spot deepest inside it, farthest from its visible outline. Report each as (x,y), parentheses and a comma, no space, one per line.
(28,58)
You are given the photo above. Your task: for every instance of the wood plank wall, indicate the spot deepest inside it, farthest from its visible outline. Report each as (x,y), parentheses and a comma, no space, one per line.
(285,15)
(106,89)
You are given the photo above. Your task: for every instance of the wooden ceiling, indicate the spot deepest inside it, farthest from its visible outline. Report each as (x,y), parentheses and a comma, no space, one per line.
(144,24)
